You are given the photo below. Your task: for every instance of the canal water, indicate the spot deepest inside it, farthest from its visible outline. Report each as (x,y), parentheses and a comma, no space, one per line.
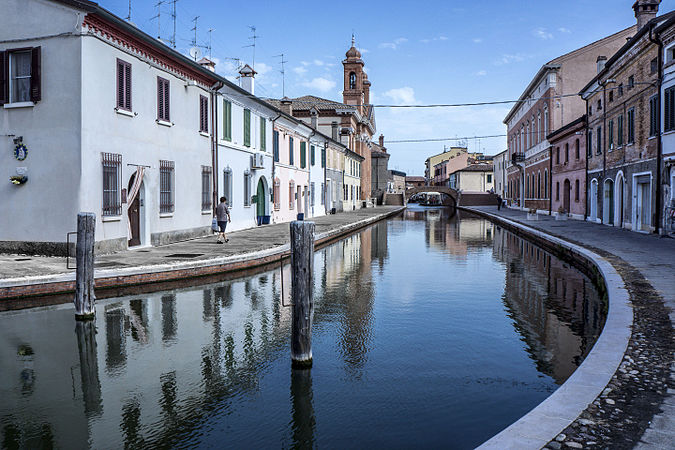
(432,329)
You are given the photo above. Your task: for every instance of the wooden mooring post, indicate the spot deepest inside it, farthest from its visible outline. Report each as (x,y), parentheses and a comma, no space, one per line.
(84,273)
(302,292)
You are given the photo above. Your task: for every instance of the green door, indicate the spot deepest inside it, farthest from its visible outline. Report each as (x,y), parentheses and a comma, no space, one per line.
(260,205)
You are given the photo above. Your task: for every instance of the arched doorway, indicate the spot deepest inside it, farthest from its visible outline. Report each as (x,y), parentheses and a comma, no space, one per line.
(262,202)
(566,195)
(608,202)
(136,214)
(593,199)
(619,187)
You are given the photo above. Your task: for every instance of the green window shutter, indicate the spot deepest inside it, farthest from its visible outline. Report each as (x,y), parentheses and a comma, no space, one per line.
(311,155)
(227,120)
(303,156)
(323,157)
(247,127)
(263,131)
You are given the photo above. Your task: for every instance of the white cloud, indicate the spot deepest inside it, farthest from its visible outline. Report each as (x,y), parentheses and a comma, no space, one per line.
(262,68)
(300,70)
(511,58)
(477,40)
(425,41)
(564,30)
(442,38)
(393,45)
(481,73)
(318,62)
(320,84)
(541,33)
(363,50)
(402,96)
(305,63)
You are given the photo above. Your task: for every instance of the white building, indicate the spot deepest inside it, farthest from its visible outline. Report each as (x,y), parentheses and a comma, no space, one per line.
(499,175)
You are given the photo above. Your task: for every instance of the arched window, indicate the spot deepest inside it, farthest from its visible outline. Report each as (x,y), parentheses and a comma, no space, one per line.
(539,126)
(291,195)
(576,190)
(545,122)
(528,139)
(538,184)
(527,187)
(352,80)
(545,183)
(533,139)
(277,194)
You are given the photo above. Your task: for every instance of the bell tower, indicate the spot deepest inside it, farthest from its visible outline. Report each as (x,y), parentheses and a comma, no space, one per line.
(354,77)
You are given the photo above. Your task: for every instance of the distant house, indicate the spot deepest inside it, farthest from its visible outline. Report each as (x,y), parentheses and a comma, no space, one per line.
(476,177)
(414,181)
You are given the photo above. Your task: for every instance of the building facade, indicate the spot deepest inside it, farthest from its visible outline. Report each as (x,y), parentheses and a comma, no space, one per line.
(351,183)
(380,175)
(499,175)
(474,178)
(568,169)
(666,35)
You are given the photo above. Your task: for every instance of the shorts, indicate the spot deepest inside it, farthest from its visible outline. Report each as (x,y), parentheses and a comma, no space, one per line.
(222,226)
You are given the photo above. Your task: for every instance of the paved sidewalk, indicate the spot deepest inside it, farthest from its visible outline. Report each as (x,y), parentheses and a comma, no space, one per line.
(652,255)
(244,248)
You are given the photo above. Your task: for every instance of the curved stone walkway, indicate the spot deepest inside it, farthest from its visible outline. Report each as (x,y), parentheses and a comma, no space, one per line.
(637,408)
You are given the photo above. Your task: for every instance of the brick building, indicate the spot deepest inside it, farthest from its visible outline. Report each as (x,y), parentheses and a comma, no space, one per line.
(568,169)
(623,130)
(548,104)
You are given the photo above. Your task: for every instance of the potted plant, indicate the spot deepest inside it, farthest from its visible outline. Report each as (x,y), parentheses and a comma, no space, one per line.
(18,179)
(562,214)
(532,214)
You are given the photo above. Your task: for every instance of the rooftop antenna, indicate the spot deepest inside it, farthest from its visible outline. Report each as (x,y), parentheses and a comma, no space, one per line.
(254,37)
(129,15)
(159,18)
(283,74)
(194,40)
(173,17)
(209,46)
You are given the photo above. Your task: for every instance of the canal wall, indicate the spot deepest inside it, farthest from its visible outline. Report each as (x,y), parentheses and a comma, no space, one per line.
(588,382)
(22,291)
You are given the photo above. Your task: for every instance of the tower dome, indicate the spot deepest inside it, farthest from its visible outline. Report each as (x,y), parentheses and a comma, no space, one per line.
(353,53)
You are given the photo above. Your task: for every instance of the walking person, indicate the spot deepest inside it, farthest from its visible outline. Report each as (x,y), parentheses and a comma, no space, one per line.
(222,216)
(499,202)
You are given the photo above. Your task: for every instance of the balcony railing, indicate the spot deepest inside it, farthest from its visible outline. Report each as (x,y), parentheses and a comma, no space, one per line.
(517,157)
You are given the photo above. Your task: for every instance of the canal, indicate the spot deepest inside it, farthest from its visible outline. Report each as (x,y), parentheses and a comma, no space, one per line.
(432,329)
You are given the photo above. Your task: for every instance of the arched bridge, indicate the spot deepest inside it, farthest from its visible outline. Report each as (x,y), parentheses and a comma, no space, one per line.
(450,198)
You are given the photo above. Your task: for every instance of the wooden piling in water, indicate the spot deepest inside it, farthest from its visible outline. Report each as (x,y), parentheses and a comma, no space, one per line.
(84,274)
(302,292)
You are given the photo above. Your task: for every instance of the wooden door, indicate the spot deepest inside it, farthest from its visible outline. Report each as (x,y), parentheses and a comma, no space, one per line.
(135,217)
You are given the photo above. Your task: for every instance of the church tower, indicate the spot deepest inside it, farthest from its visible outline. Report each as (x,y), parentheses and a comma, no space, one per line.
(354,77)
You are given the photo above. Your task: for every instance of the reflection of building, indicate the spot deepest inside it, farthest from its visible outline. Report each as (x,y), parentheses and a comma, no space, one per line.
(447,233)
(560,329)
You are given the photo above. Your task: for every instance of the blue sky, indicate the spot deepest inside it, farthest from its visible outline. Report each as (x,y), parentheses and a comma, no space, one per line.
(414,52)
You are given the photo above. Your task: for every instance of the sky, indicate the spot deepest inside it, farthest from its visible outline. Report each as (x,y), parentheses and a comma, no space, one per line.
(415,52)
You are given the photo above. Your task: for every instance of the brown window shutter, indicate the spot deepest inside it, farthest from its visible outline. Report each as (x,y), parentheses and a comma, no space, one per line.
(167,116)
(120,84)
(127,86)
(4,76)
(160,99)
(35,91)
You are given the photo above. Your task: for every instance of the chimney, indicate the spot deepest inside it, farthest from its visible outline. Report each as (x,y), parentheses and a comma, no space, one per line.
(334,130)
(247,76)
(645,10)
(314,117)
(208,64)
(286,106)
(601,61)
(382,140)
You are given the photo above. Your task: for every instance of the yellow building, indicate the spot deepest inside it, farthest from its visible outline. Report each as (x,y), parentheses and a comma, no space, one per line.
(447,155)
(351,196)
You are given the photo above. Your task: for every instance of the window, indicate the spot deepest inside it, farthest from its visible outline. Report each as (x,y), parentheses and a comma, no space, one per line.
(576,190)
(653,116)
(590,110)
(620,91)
(323,192)
(207,196)
(323,157)
(227,186)
(489,178)
(312,158)
(303,155)
(653,65)
(557,155)
(619,130)
(611,96)
(166,186)
(227,120)
(567,152)
(203,114)
(311,193)
(576,149)
(599,105)
(291,195)
(112,180)
(277,194)
(669,109)
(275,145)
(263,134)
(163,99)
(557,190)
(247,127)
(598,137)
(630,118)
(589,150)
(631,82)
(670,54)
(352,80)
(545,121)
(545,183)
(247,188)
(538,184)
(123,85)
(290,151)
(610,135)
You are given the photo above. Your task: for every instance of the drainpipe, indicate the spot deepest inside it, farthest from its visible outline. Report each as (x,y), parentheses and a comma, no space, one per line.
(214,143)
(550,179)
(587,186)
(659,142)
(308,160)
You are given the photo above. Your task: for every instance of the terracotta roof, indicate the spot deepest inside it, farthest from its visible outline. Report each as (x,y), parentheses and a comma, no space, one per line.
(477,168)
(414,179)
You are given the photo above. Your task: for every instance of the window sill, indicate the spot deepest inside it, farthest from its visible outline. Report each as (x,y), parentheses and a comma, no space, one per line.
(18,105)
(165,215)
(652,137)
(164,123)
(202,133)
(124,112)
(111,218)
(206,213)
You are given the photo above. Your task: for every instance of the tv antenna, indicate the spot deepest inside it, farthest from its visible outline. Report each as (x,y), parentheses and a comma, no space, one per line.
(129,15)
(283,74)
(208,47)
(195,53)
(173,17)
(159,18)
(194,40)
(254,37)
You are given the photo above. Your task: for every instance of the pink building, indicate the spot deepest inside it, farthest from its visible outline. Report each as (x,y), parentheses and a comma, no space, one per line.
(443,169)
(568,169)
(291,169)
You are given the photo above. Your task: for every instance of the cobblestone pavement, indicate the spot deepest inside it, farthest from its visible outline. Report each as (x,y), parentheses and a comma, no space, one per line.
(241,243)
(637,410)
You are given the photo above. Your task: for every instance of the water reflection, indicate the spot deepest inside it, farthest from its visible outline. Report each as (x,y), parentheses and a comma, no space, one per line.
(222,376)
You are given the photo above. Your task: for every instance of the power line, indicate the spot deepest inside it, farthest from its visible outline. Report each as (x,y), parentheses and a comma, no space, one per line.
(410,141)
